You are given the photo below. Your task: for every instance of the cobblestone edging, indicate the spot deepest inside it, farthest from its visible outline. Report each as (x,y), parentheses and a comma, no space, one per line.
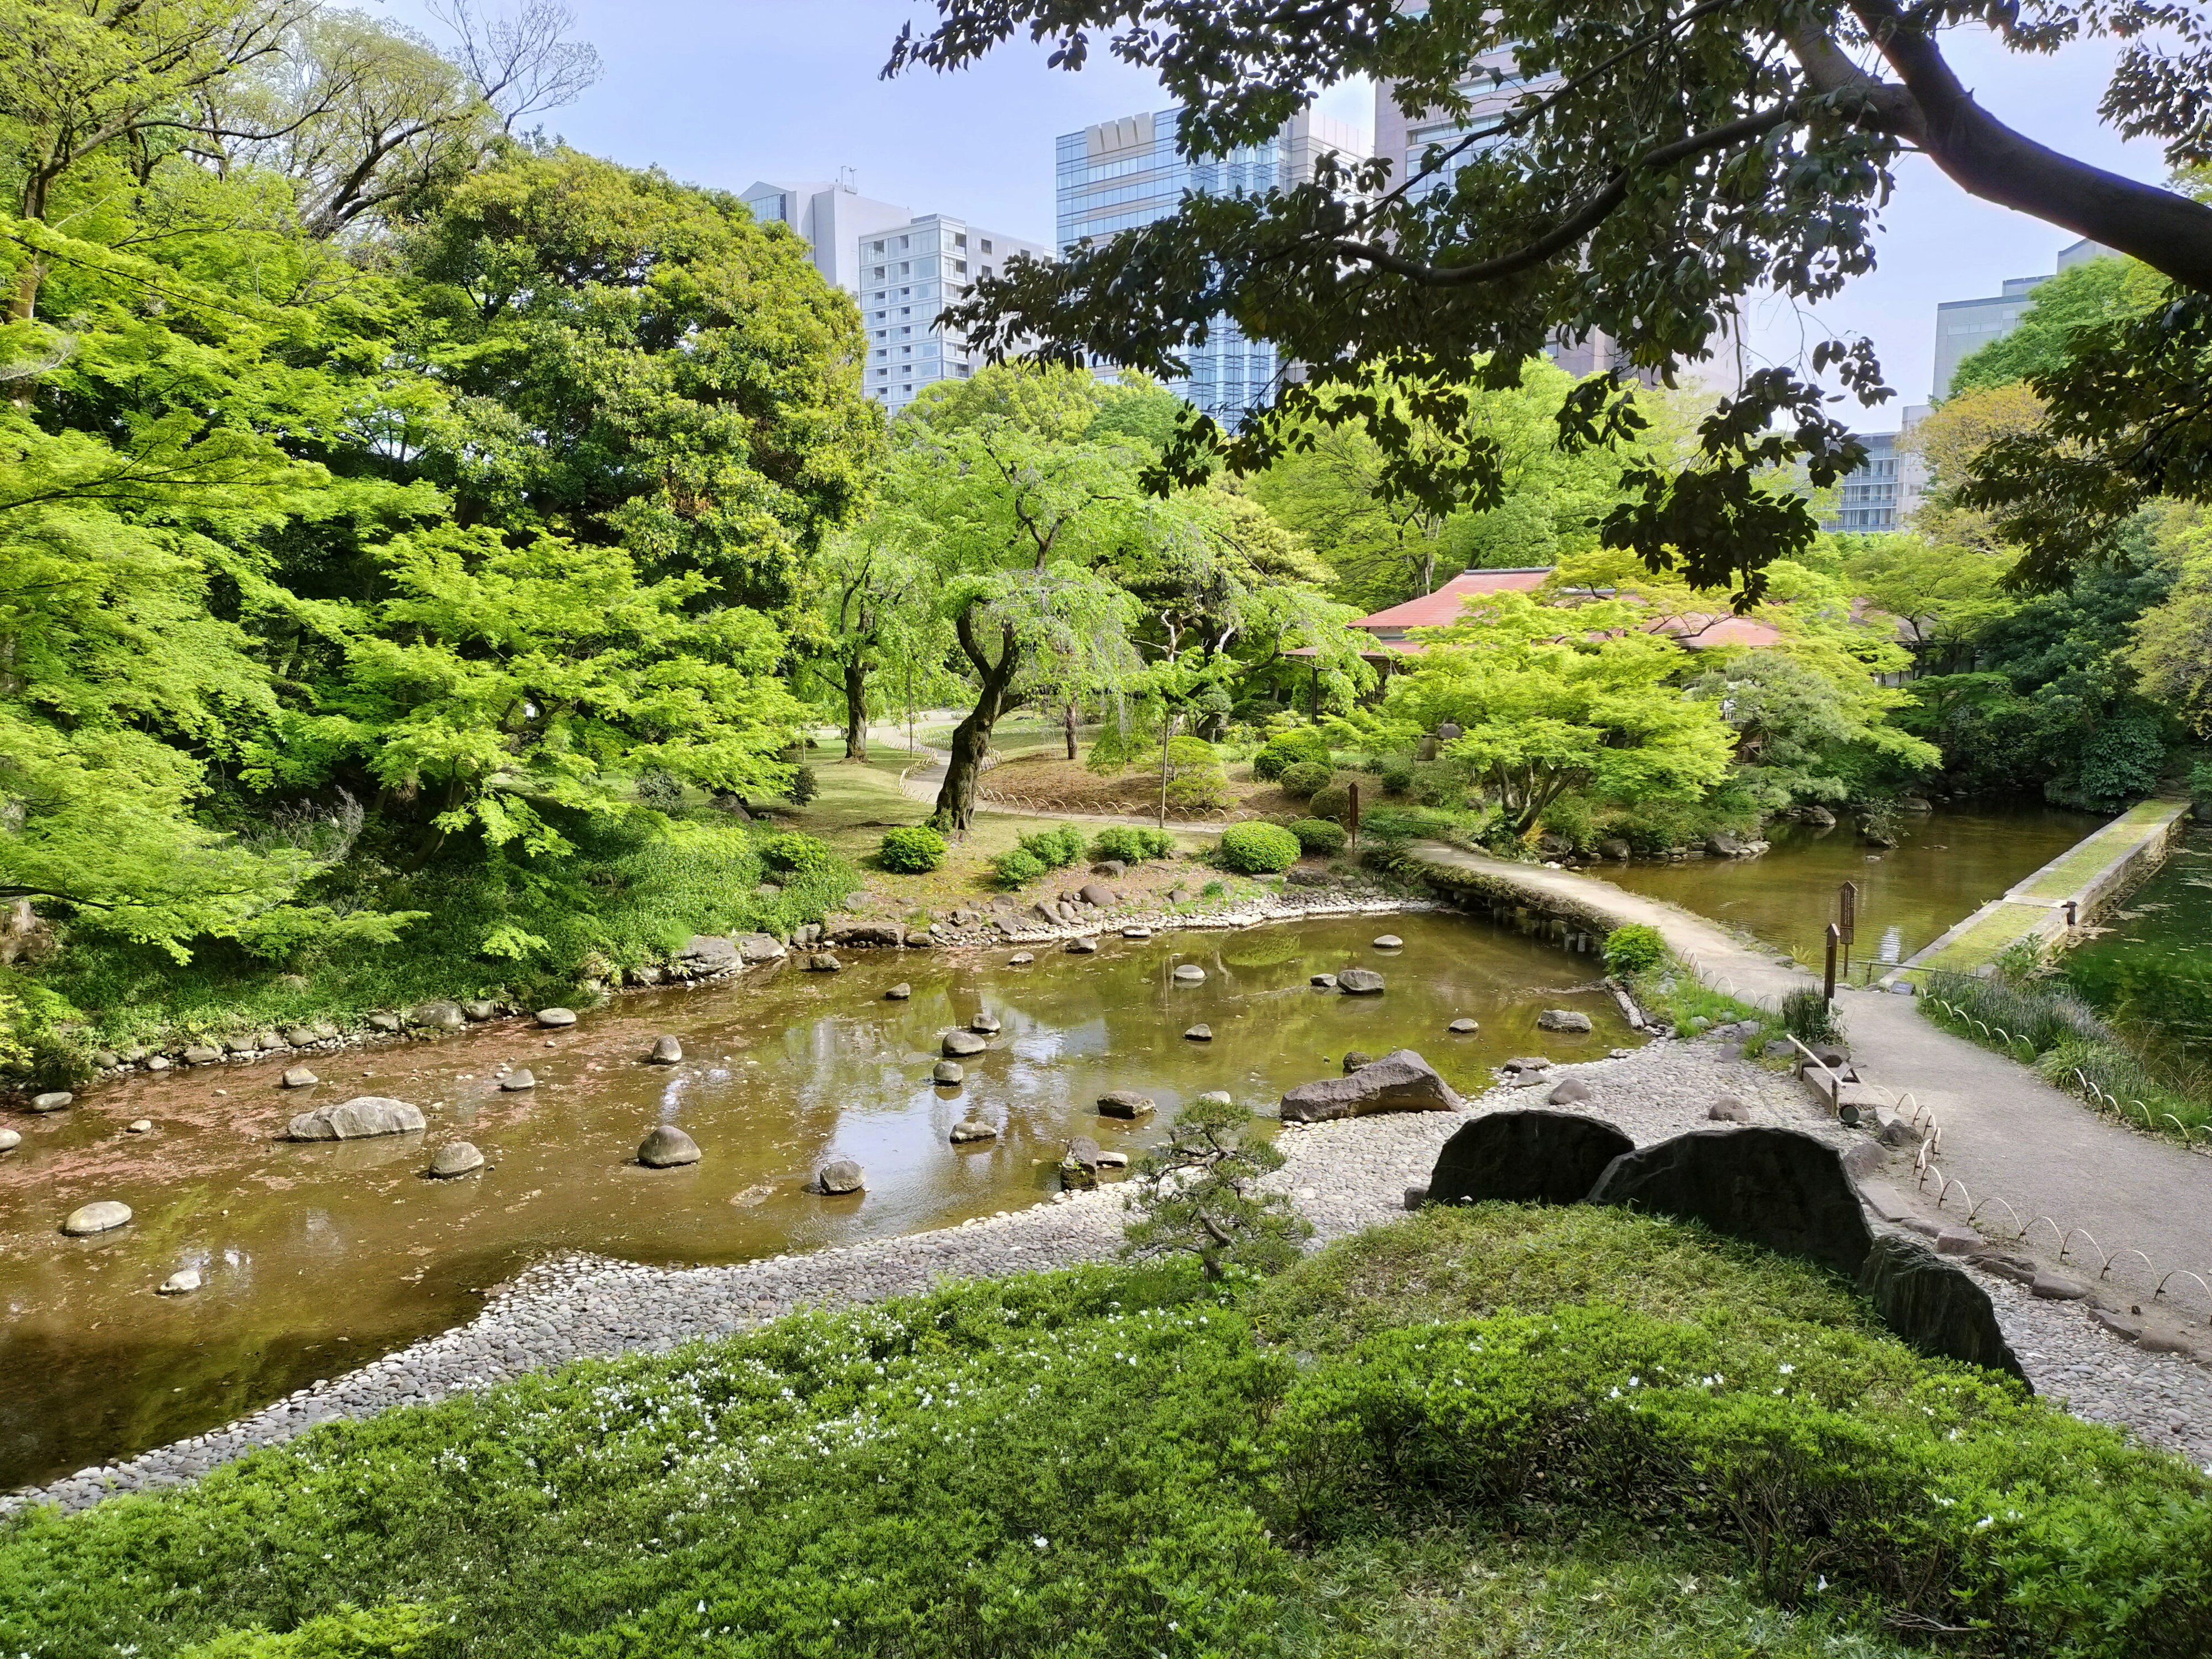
(1344,1177)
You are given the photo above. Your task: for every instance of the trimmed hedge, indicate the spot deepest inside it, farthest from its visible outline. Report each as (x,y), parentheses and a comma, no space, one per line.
(912,850)
(795,855)
(1258,849)
(1304,777)
(1280,753)
(1319,837)
(1635,949)
(1132,843)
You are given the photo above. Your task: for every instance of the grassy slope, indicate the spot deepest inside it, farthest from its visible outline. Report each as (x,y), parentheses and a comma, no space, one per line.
(1119,1462)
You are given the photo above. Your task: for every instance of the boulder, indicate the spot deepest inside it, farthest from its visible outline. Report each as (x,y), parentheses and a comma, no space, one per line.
(455,1157)
(1113,1160)
(1359,982)
(1570,1091)
(840,1175)
(240,1045)
(1078,1166)
(1401,1081)
(959,1043)
(1124,1103)
(1728,1108)
(1096,893)
(385,1024)
(665,1147)
(519,1079)
(299,1036)
(985,1025)
(1818,817)
(1425,748)
(1112,869)
(269,1041)
(899,993)
(104,1217)
(139,1126)
(1614,848)
(1864,1158)
(201,1053)
(1021,958)
(1525,1157)
(1526,1063)
(1198,1034)
(1563,1019)
(971,1129)
(53,1100)
(1388,942)
(1322,981)
(759,947)
(877,935)
(1932,1306)
(359,1119)
(1464,1027)
(1775,1188)
(921,937)
(1188,973)
(183,1282)
(11,1139)
(476,1012)
(554,1020)
(439,1015)
(949,1072)
(1082,947)
(1136,933)
(823,962)
(709,953)
(1180,896)
(1874,833)
(667,1051)
(1356,1058)
(1721,844)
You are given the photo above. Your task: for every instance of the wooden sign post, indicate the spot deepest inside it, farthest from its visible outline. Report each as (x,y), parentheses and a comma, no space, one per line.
(1847,924)
(1828,981)
(1351,814)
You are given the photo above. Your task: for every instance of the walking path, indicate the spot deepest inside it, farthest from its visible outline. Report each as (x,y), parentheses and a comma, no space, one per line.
(2007,1135)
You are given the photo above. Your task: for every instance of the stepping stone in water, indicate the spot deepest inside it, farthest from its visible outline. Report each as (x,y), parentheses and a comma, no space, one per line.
(1388,942)
(297,1077)
(1113,1160)
(971,1129)
(667,1051)
(898,993)
(555,1019)
(949,1073)
(1360,983)
(1562,1019)
(516,1081)
(1189,973)
(1124,1103)
(1136,933)
(11,1139)
(666,1147)
(1082,947)
(1199,1034)
(1463,1027)
(183,1282)
(958,1044)
(103,1216)
(1324,981)
(455,1157)
(1020,958)
(839,1176)
(984,1025)
(140,1126)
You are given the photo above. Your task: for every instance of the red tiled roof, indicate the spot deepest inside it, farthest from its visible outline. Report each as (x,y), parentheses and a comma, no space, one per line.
(1697,632)
(1447,603)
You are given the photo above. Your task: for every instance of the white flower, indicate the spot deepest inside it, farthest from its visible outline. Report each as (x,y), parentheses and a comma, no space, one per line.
(1040,1542)
(1786,1368)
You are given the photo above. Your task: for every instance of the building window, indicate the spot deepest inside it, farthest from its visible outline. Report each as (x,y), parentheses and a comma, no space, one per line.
(960,267)
(877,248)
(959,240)
(986,245)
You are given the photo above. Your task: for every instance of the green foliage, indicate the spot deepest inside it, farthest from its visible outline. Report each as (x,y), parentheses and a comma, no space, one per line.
(803,785)
(1229,1459)
(1801,735)
(2095,291)
(1256,850)
(1015,866)
(1054,849)
(1198,1194)
(1196,781)
(1132,843)
(400,1629)
(1332,803)
(1300,745)
(1303,777)
(1634,948)
(1319,837)
(912,849)
(1397,774)
(794,853)
(1808,1016)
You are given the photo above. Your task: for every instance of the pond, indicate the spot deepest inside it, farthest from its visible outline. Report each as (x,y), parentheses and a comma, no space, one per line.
(317,1258)
(1946,866)
(2149,963)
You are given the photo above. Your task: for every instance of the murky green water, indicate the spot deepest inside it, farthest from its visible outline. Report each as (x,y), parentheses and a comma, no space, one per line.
(2149,963)
(1946,866)
(317,1258)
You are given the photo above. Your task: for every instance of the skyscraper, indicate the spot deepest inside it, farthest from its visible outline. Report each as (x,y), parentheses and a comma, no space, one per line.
(1117,175)
(1964,326)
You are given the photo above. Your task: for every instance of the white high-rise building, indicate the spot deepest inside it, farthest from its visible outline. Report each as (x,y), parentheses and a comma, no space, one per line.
(1964,326)
(903,268)
(1120,174)
(1888,487)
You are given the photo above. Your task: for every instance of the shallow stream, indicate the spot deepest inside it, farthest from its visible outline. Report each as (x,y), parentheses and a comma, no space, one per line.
(317,1258)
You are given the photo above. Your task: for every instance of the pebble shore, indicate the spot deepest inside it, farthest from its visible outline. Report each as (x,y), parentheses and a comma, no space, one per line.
(1343,1177)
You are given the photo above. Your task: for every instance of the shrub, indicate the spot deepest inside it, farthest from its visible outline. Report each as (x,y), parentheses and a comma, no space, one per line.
(1280,753)
(663,792)
(1132,843)
(1439,786)
(1635,949)
(804,786)
(1258,849)
(1319,837)
(1054,849)
(1397,774)
(796,854)
(1198,1194)
(1334,803)
(1196,781)
(1570,820)
(1303,777)
(1017,866)
(912,849)
(1807,1016)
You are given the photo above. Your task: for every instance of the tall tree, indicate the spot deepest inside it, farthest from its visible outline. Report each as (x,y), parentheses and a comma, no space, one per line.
(1640,171)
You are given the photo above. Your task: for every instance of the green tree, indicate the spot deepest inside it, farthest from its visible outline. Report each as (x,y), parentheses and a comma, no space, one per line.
(2173,648)
(1198,1194)
(1943,595)
(874,611)
(2095,291)
(1802,736)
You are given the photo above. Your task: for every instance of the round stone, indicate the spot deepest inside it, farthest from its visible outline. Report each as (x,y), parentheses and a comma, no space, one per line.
(52,1101)
(1388,942)
(140,1126)
(1199,1034)
(1216,1097)
(1021,958)
(1360,983)
(553,1018)
(89,1219)
(840,1175)
(959,1043)
(898,993)
(1322,981)
(183,1282)
(1082,947)
(667,1051)
(1136,933)
(984,1024)
(948,1072)
(455,1157)
(971,1129)
(297,1077)
(519,1079)
(1188,973)
(666,1147)
(1464,1027)
(11,1139)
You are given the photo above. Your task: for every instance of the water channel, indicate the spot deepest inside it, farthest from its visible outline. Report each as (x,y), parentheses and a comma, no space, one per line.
(2148,962)
(319,1257)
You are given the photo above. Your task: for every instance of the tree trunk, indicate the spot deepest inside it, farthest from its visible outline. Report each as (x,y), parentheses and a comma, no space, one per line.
(1071,729)
(971,739)
(856,710)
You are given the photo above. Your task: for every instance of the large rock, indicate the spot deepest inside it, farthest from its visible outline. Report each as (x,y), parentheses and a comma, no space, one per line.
(1401,1081)
(1525,1157)
(455,1157)
(1359,982)
(183,1282)
(1772,1187)
(53,1100)
(840,1175)
(1112,869)
(665,1147)
(1198,1033)
(477,1010)
(359,1119)
(439,1015)
(901,992)
(984,1025)
(201,1053)
(104,1217)
(823,962)
(518,1081)
(297,1077)
(1356,1058)
(1124,1103)
(709,953)
(949,1072)
(11,1139)
(1096,893)
(874,934)
(1188,973)
(1933,1306)
(759,947)
(1563,1019)
(959,1043)
(667,1051)
(970,1130)
(1078,1166)
(554,1020)
(1082,947)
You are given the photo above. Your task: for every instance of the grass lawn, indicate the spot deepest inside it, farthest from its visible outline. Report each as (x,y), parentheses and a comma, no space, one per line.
(1501,1431)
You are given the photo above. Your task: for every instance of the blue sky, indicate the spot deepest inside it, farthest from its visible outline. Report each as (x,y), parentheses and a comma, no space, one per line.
(725,93)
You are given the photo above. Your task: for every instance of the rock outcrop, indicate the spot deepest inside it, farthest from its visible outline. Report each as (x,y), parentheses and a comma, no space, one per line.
(1525,1157)
(1775,1188)
(1401,1081)
(362,1118)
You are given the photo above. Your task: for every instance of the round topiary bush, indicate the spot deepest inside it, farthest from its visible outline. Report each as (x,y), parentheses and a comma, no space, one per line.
(1258,849)
(1015,866)
(1334,803)
(1319,837)
(1634,948)
(796,854)
(1303,778)
(1288,750)
(1397,774)
(912,849)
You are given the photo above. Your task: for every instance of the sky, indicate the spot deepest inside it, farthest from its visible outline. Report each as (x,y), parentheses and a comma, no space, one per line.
(726,92)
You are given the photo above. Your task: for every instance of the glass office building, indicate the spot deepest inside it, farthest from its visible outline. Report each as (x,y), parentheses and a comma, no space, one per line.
(1117,175)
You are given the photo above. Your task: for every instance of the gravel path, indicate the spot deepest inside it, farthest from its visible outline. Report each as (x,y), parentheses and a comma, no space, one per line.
(1343,1177)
